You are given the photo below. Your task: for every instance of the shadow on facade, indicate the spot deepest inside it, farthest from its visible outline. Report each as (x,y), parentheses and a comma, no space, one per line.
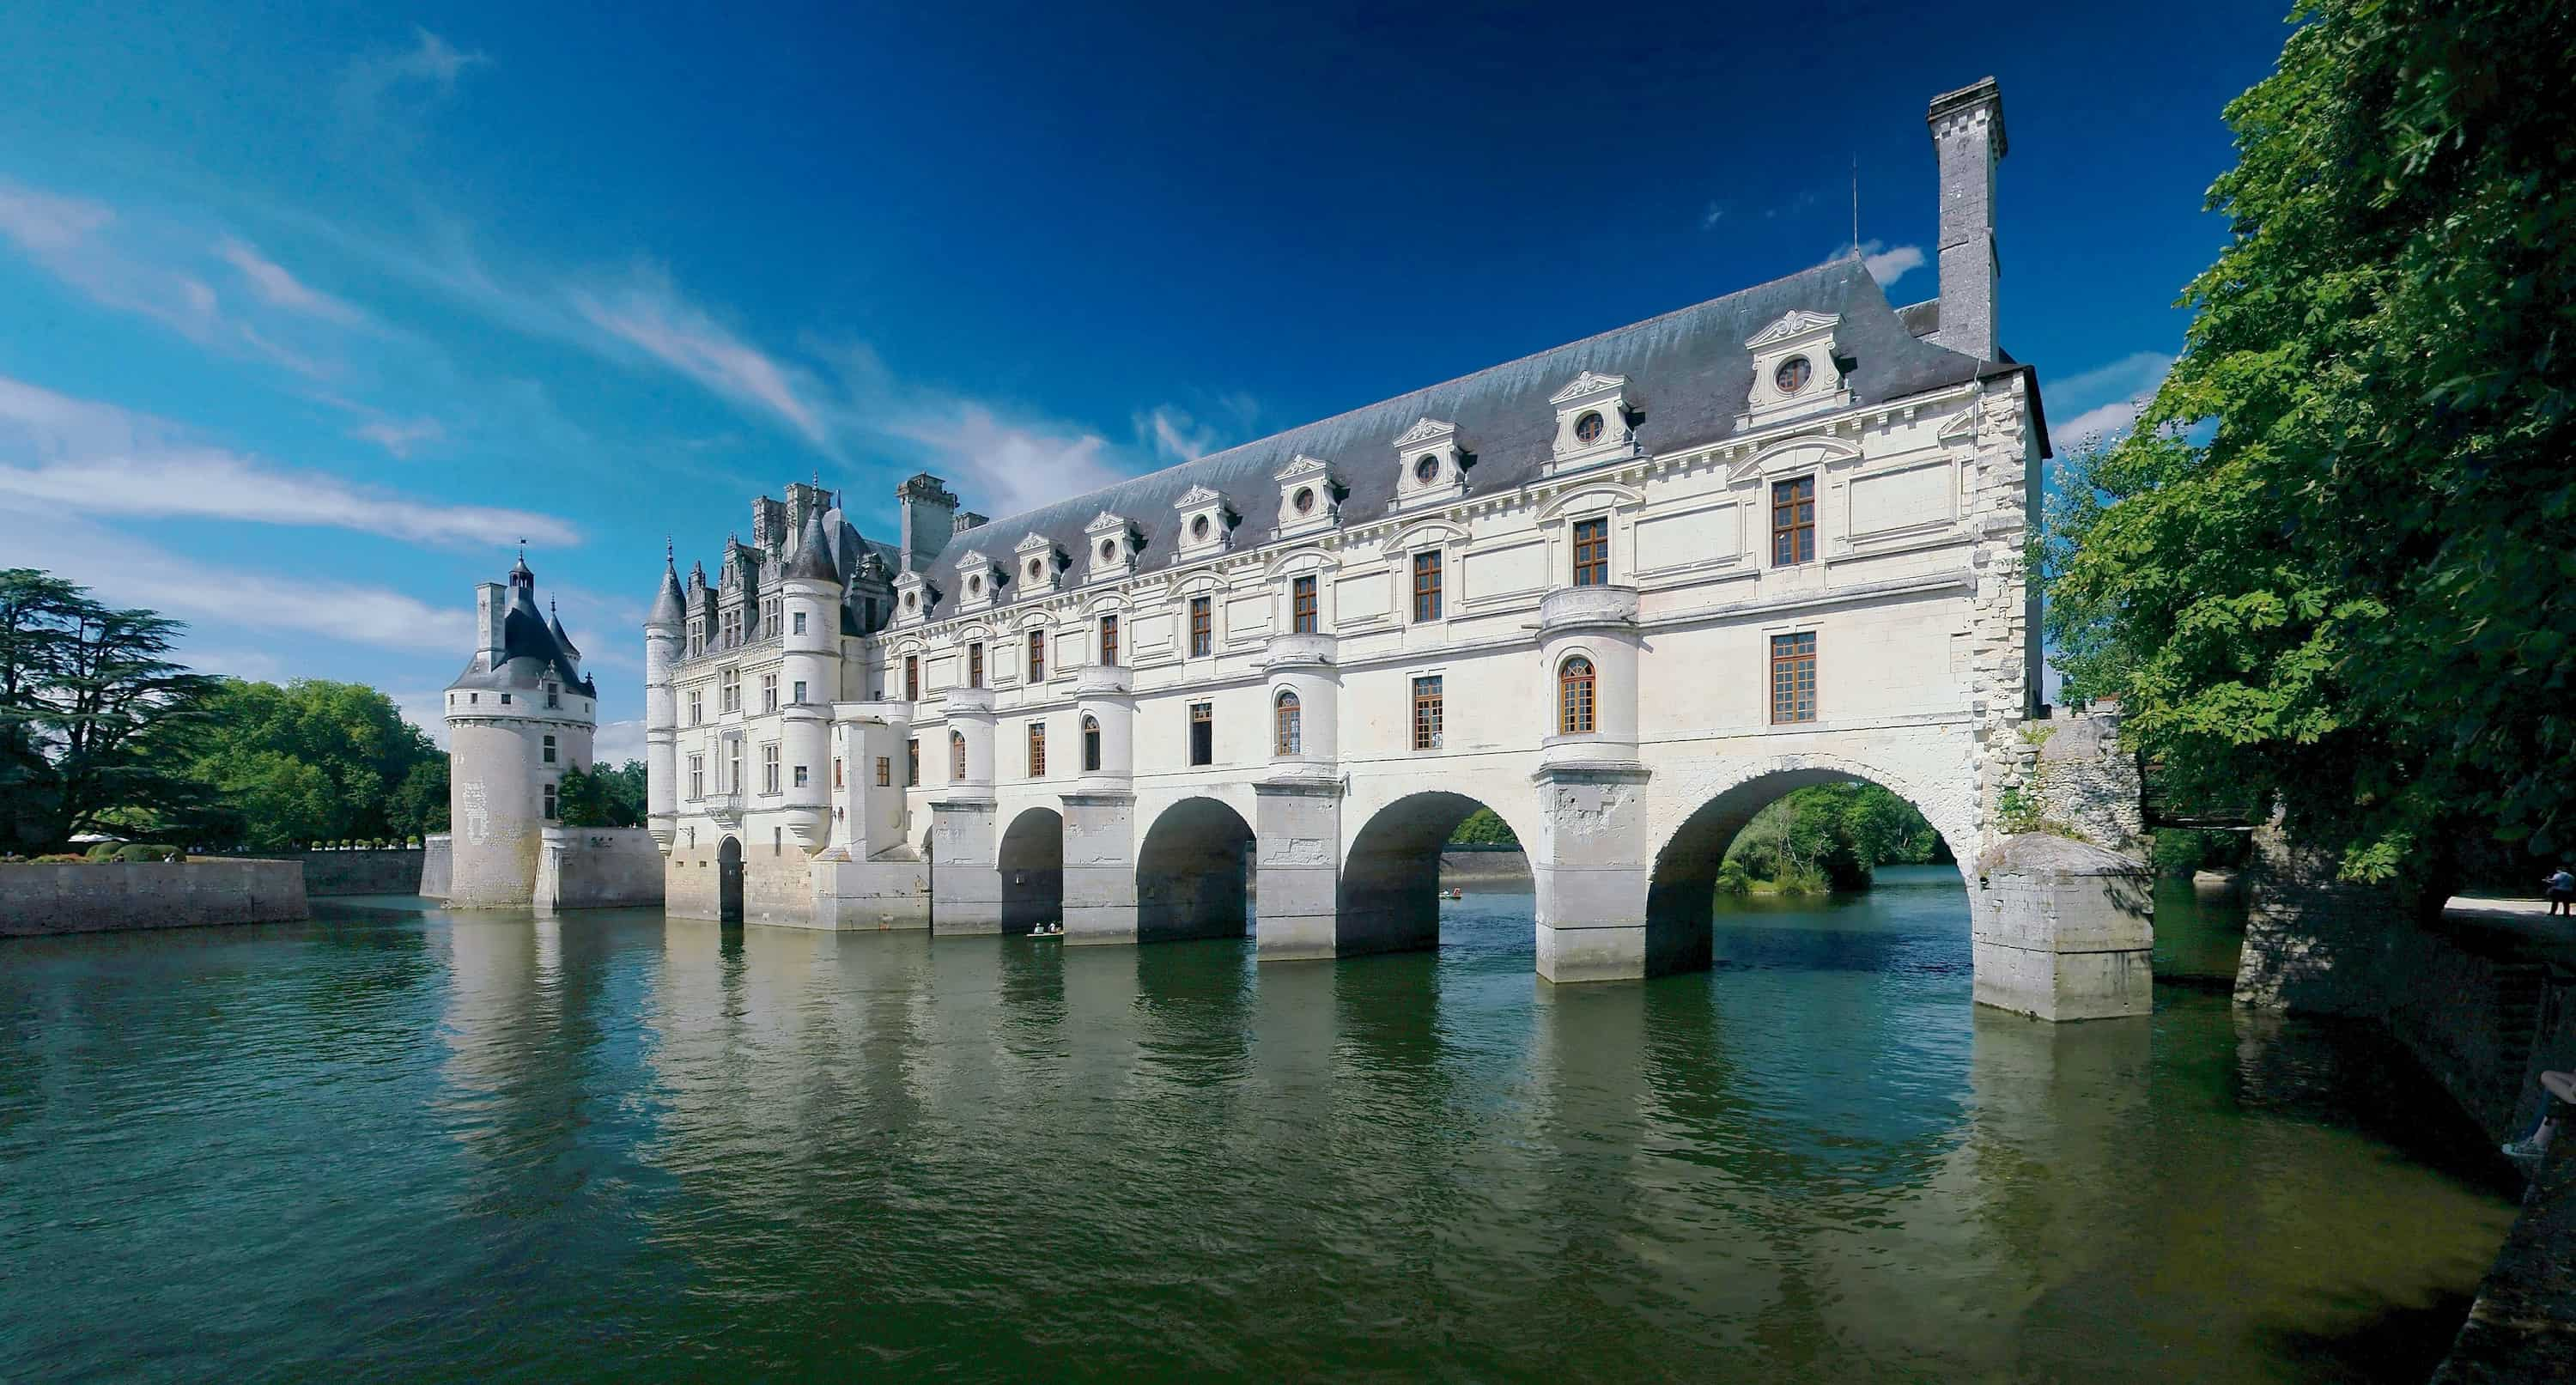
(1032,862)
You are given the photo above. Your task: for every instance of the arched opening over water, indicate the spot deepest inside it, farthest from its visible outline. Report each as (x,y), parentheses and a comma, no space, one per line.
(1032,863)
(1689,871)
(729,881)
(1392,886)
(1194,873)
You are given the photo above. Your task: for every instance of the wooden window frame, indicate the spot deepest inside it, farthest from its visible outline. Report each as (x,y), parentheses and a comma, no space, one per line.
(975,664)
(1577,704)
(1790,653)
(885,771)
(1037,656)
(1426,586)
(1592,551)
(912,763)
(1427,711)
(1202,745)
(1037,750)
(1302,603)
(956,757)
(912,678)
(1287,724)
(1202,627)
(1109,641)
(1091,745)
(1793,521)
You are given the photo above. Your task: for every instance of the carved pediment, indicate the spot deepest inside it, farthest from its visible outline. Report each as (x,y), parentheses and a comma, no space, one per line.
(1197,496)
(1588,383)
(1301,466)
(1034,543)
(1425,431)
(1105,522)
(972,560)
(1797,323)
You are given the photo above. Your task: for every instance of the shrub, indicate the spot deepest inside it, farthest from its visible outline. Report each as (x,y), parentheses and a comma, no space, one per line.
(146,851)
(1732,879)
(58,857)
(101,851)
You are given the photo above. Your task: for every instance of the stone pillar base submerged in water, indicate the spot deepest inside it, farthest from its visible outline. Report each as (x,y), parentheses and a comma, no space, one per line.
(2064,930)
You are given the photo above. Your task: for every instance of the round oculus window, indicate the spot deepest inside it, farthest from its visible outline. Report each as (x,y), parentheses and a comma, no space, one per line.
(1427,468)
(1109,550)
(1199,527)
(974,586)
(1588,428)
(1305,501)
(1793,375)
(911,599)
(1037,569)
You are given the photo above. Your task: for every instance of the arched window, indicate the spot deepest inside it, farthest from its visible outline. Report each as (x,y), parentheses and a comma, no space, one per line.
(1291,734)
(956,755)
(1091,745)
(1574,697)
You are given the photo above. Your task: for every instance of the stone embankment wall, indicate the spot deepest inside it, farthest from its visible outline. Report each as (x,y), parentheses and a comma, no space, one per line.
(437,865)
(1498,871)
(2085,779)
(105,896)
(598,868)
(359,872)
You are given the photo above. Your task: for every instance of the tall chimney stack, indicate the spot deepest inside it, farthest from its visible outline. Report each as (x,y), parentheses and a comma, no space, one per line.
(929,519)
(1968,140)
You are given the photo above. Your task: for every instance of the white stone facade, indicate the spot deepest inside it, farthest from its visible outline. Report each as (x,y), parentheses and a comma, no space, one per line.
(1687,508)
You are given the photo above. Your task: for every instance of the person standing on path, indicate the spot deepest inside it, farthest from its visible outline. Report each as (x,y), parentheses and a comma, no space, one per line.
(2562,892)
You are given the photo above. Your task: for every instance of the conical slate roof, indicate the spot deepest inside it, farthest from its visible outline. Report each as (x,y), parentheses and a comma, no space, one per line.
(812,559)
(669,607)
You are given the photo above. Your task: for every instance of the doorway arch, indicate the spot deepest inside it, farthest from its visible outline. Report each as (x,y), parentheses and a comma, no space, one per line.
(729,881)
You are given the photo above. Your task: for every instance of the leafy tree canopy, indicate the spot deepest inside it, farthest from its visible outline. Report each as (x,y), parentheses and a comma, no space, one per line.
(95,718)
(602,797)
(2332,564)
(314,760)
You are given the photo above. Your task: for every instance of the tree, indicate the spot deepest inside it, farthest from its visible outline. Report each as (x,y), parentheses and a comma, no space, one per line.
(2330,566)
(420,805)
(1832,836)
(352,739)
(95,719)
(1484,827)
(601,797)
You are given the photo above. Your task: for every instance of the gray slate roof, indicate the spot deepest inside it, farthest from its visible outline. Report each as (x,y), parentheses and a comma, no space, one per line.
(1688,372)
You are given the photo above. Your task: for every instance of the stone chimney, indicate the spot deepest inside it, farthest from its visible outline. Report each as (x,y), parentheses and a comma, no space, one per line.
(491,610)
(929,520)
(1968,140)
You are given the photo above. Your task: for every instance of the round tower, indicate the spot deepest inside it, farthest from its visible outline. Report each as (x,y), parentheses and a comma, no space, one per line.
(810,672)
(662,634)
(517,717)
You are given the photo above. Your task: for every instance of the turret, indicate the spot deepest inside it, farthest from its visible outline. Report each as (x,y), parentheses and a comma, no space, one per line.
(518,716)
(810,649)
(664,626)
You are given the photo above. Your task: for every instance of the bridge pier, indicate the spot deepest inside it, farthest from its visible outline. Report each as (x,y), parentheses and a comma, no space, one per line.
(1099,867)
(966,889)
(1298,828)
(1591,870)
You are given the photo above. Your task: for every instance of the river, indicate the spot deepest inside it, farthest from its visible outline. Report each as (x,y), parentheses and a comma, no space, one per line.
(615,1147)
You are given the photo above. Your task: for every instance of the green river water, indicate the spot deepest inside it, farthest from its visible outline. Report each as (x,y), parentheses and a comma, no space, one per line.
(617,1147)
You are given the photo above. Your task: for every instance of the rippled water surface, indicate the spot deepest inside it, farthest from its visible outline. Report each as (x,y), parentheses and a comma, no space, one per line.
(619,1147)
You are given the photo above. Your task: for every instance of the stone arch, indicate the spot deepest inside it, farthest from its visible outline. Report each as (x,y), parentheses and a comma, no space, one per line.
(1682,873)
(729,871)
(1388,898)
(1194,872)
(1031,859)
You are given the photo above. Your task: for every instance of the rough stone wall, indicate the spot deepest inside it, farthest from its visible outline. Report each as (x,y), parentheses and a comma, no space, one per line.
(361,872)
(599,868)
(689,882)
(777,884)
(2314,944)
(2086,779)
(106,896)
(2001,681)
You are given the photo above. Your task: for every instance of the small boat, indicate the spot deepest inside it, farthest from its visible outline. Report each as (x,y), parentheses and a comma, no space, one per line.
(1453,892)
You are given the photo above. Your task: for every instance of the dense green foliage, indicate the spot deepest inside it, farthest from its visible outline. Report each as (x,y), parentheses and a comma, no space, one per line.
(2332,566)
(316,761)
(603,797)
(94,717)
(1828,837)
(1484,827)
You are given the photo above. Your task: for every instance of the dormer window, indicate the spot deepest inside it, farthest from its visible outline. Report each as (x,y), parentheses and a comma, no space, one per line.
(1594,418)
(979,581)
(1794,370)
(1113,544)
(1306,497)
(1034,558)
(1434,462)
(1206,522)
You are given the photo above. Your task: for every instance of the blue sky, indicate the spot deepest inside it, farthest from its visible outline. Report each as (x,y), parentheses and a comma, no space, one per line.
(306,313)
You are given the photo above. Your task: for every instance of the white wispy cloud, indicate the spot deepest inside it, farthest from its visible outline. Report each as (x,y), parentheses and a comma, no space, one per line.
(2107,399)
(271,281)
(1885,263)
(382,94)
(142,574)
(649,314)
(616,742)
(426,710)
(399,436)
(1174,435)
(72,454)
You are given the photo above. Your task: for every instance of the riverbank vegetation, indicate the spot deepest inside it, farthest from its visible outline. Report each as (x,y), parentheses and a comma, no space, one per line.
(2329,568)
(1830,837)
